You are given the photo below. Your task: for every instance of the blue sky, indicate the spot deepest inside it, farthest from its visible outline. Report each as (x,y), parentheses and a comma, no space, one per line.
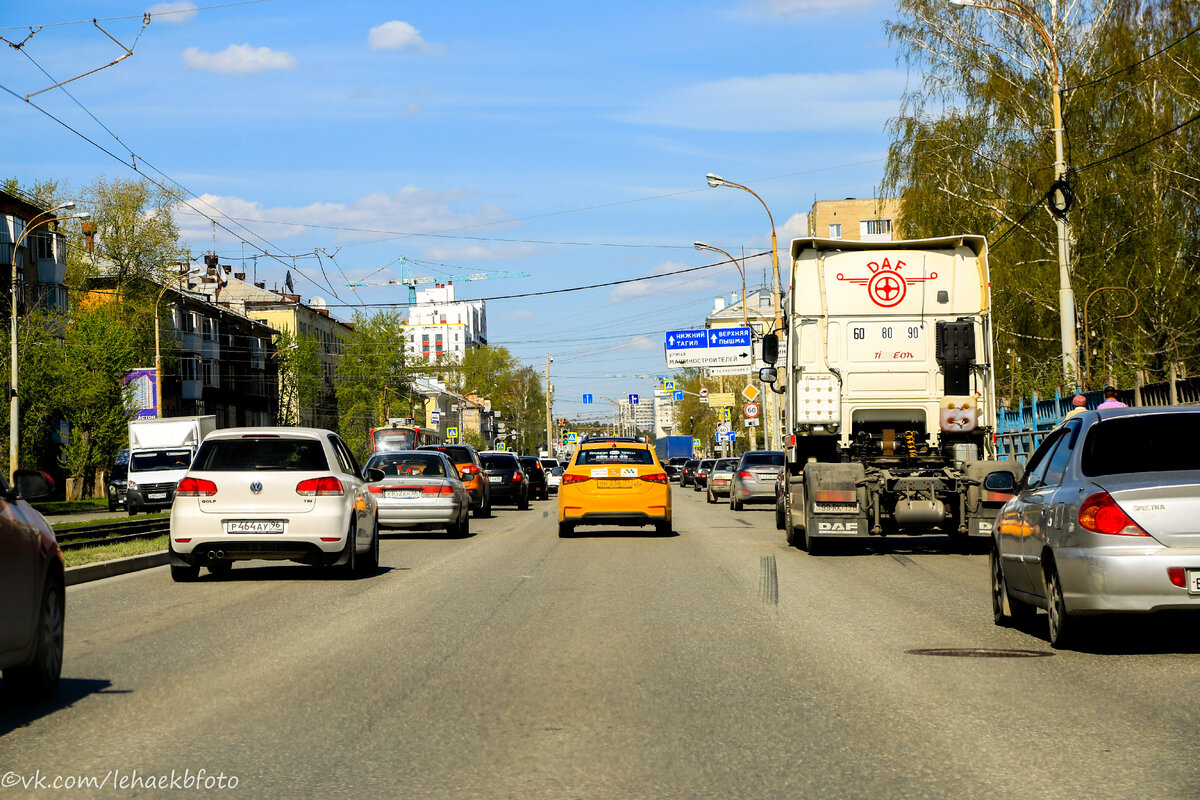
(566,140)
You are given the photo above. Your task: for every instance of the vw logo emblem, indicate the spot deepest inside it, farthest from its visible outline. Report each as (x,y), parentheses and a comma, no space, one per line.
(256,487)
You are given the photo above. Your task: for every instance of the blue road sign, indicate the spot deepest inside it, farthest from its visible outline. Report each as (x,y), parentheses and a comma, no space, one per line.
(687,340)
(677,395)
(587,398)
(633,400)
(668,386)
(728,337)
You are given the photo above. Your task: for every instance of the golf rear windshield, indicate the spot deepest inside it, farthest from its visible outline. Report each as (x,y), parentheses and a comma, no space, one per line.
(616,455)
(1150,443)
(250,455)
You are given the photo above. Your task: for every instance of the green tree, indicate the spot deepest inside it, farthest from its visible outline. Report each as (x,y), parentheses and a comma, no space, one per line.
(373,378)
(136,235)
(305,395)
(973,149)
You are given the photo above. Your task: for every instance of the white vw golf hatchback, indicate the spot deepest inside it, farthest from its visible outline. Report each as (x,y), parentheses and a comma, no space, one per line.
(292,494)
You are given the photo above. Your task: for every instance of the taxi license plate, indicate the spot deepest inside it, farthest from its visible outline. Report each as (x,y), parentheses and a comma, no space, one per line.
(401,494)
(1193,581)
(254,526)
(614,484)
(156,496)
(496,478)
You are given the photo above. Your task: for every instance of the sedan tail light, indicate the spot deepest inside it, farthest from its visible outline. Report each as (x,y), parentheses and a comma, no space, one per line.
(1101,514)
(746,475)
(328,486)
(569,478)
(195,487)
(657,477)
(517,476)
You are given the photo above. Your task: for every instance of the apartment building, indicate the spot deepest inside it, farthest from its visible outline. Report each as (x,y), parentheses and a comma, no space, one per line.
(861,220)
(438,325)
(40,258)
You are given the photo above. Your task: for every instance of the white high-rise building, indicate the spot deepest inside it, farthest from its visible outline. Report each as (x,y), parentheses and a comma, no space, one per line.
(440,325)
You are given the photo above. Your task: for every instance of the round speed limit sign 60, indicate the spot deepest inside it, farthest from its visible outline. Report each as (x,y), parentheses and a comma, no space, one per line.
(751,410)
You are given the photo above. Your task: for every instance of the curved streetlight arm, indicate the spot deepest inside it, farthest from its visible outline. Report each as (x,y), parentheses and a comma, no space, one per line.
(740,268)
(1026,14)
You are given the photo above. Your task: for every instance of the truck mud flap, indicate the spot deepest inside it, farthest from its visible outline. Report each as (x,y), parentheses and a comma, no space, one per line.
(982,505)
(826,525)
(835,503)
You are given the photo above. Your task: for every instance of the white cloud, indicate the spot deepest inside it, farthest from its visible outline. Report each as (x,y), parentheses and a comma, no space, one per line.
(238,59)
(518,316)
(779,103)
(795,9)
(641,343)
(479,252)
(375,215)
(398,35)
(795,228)
(688,282)
(172,13)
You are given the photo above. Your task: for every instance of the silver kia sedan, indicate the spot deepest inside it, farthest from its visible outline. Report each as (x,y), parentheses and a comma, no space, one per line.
(1105,520)
(754,479)
(421,489)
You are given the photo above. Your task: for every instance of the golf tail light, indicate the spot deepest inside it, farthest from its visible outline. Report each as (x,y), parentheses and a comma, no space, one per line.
(657,477)
(328,486)
(1101,514)
(195,487)
(569,478)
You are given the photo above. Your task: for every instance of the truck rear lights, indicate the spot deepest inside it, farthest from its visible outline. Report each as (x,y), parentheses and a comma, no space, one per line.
(569,478)
(1101,514)
(835,496)
(195,487)
(1177,576)
(328,486)
(656,477)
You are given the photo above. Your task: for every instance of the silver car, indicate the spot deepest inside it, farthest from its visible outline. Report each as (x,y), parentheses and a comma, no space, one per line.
(719,478)
(1105,520)
(420,489)
(754,478)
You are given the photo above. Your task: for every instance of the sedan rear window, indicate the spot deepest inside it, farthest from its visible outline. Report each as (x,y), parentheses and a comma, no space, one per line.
(759,459)
(427,465)
(250,455)
(617,455)
(1151,443)
(459,455)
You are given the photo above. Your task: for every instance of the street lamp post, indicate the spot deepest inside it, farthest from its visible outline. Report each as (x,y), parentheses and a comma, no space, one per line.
(14,409)
(1066,295)
(772,435)
(745,319)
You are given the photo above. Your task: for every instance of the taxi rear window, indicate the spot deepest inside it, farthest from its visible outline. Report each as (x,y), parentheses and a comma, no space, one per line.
(616,455)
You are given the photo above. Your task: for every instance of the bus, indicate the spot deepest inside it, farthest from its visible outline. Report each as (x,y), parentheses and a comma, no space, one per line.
(402,437)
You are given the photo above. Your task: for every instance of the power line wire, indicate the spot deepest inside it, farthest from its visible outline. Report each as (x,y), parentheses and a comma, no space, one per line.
(1135,64)
(132,16)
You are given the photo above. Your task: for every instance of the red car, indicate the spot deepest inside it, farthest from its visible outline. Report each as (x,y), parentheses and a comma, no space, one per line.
(32,591)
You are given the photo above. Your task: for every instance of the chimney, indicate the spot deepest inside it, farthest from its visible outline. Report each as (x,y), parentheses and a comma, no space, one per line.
(89,234)
(718,305)
(261,284)
(241,276)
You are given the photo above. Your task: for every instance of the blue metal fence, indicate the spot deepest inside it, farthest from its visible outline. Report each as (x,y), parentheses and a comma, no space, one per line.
(1020,430)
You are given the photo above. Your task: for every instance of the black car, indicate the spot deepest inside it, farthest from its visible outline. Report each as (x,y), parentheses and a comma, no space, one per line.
(687,473)
(118,479)
(672,472)
(506,478)
(536,474)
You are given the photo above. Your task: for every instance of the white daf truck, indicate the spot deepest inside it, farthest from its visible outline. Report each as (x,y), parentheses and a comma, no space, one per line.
(889,391)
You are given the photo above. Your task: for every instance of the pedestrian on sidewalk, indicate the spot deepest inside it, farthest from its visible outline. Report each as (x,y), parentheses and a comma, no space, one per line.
(1110,399)
(1079,405)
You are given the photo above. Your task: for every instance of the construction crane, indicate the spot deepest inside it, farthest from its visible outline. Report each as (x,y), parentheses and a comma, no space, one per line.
(413,281)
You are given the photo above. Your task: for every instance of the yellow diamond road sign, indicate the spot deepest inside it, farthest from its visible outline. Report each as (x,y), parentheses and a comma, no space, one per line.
(750,392)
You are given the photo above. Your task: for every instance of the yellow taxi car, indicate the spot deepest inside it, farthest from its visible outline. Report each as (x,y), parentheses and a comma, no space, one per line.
(614,481)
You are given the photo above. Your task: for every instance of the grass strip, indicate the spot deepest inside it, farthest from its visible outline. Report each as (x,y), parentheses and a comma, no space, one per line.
(107,552)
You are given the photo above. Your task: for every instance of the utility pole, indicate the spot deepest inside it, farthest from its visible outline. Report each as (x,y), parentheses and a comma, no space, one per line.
(549,406)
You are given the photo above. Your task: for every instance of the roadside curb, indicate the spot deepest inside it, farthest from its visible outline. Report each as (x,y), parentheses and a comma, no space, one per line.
(117,566)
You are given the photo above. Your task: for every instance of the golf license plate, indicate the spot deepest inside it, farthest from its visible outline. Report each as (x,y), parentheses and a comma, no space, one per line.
(1193,581)
(401,494)
(254,526)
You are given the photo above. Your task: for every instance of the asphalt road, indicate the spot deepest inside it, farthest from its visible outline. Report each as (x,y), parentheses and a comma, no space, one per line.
(713,663)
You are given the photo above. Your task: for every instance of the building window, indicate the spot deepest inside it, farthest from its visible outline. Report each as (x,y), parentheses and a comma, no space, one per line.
(187,368)
(877,227)
(835,231)
(212,373)
(44,246)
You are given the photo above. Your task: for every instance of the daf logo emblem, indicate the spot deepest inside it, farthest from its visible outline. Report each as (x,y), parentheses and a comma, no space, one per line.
(256,487)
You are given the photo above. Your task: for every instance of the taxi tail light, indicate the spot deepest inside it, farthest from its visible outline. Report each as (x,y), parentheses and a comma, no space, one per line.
(328,486)
(1101,514)
(656,477)
(517,476)
(195,487)
(569,478)
(834,496)
(1177,576)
